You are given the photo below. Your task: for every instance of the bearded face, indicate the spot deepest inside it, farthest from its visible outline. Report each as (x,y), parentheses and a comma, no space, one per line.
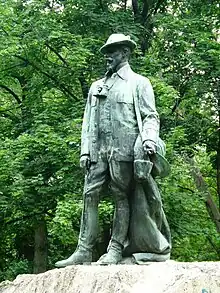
(114,56)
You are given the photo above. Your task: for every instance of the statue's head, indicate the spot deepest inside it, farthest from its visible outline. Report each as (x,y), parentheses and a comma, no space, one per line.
(117,50)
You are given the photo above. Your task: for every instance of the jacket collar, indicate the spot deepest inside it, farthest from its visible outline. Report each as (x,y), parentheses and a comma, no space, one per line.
(124,71)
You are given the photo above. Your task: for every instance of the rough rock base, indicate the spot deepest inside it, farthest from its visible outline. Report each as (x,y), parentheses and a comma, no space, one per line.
(164,277)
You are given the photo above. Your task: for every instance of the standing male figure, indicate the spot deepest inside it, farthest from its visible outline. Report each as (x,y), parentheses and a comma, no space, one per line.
(110,132)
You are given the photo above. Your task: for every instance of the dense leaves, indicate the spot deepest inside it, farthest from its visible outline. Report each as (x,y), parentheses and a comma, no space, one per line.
(49,54)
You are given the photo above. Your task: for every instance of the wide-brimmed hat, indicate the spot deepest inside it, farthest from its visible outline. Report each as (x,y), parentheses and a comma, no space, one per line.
(118,39)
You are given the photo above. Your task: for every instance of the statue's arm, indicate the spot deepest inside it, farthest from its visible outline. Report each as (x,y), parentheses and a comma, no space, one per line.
(85,127)
(150,117)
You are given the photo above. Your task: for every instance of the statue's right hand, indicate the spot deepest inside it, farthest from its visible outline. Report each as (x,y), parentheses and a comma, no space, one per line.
(85,162)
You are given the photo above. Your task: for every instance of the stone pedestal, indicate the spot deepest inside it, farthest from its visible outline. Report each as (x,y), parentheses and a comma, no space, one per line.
(166,277)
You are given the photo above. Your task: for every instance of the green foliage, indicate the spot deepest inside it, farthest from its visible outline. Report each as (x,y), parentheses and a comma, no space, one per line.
(188,218)
(16,267)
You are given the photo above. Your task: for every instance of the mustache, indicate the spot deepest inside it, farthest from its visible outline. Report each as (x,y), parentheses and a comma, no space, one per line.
(109,60)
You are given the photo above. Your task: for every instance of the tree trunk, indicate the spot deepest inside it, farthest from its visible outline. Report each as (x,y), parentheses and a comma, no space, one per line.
(40,248)
(218,149)
(218,168)
(203,188)
(84,86)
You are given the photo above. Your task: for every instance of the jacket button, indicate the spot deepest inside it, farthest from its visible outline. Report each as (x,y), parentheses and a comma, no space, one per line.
(94,140)
(95,124)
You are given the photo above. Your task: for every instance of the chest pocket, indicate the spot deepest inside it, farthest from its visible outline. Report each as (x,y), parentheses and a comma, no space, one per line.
(125,96)
(125,112)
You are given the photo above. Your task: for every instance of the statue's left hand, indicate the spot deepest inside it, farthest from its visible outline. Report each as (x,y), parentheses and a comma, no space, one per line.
(149,147)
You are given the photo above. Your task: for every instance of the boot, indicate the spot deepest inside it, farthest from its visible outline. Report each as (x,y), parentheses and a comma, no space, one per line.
(113,256)
(88,233)
(119,231)
(79,257)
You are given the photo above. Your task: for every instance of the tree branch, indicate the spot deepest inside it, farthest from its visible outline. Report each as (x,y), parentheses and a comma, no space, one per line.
(158,4)
(145,11)
(4,31)
(7,89)
(135,8)
(101,5)
(182,89)
(84,86)
(203,188)
(82,80)
(57,54)
(62,87)
(186,188)
(217,249)
(176,105)
(17,65)
(9,116)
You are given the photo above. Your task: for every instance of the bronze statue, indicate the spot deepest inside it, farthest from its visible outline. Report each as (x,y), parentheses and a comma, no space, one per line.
(121,148)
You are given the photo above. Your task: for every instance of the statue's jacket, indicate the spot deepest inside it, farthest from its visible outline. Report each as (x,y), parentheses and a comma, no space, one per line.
(116,118)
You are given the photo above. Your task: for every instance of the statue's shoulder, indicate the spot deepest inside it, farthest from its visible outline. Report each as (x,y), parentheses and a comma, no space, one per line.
(97,82)
(140,79)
